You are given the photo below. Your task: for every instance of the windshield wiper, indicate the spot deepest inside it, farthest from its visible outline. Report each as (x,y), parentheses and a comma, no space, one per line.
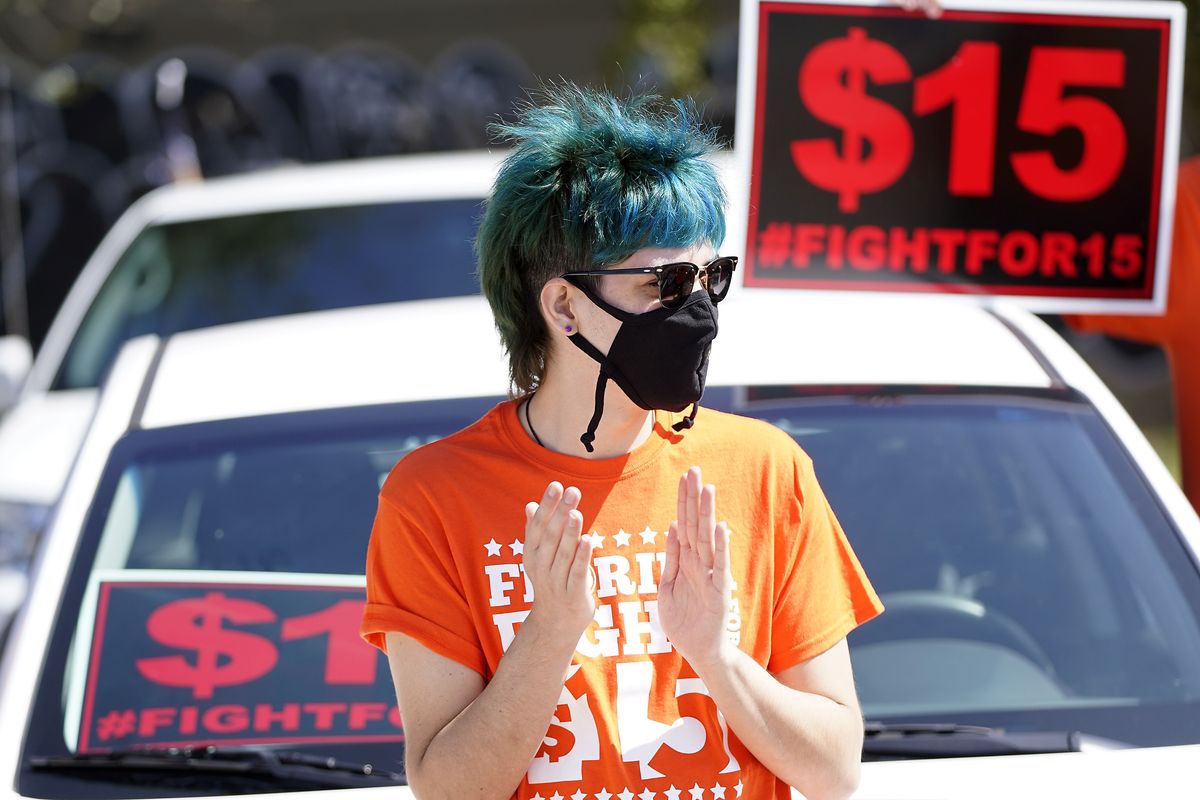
(886,741)
(288,769)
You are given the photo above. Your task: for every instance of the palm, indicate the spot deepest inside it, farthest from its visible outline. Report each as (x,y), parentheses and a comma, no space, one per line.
(693,596)
(695,602)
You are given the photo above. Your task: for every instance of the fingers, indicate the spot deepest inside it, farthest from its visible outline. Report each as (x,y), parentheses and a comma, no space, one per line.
(568,546)
(687,511)
(696,506)
(721,549)
(681,510)
(552,525)
(671,565)
(557,561)
(932,8)
(575,554)
(692,509)
(537,515)
(580,571)
(562,533)
(706,524)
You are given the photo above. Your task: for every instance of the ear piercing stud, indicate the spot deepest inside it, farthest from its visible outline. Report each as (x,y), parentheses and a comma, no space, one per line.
(570,329)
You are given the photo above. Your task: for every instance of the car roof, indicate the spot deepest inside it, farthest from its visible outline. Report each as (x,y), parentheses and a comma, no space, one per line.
(388,179)
(429,176)
(459,174)
(446,348)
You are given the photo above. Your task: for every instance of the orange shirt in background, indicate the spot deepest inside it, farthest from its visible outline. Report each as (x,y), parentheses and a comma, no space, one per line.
(1178,330)
(444,567)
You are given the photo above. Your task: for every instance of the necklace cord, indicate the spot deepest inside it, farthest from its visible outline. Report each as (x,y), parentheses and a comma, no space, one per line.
(529,421)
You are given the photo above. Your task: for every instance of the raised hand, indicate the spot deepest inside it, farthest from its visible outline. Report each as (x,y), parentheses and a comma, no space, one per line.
(932,8)
(693,595)
(557,561)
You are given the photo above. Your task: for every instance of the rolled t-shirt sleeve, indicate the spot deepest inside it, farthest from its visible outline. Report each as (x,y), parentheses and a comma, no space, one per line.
(824,592)
(412,588)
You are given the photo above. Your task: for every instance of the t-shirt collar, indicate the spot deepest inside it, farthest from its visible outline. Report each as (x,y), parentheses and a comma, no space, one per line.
(568,466)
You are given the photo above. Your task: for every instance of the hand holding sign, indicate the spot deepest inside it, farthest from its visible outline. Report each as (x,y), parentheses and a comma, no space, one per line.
(931,8)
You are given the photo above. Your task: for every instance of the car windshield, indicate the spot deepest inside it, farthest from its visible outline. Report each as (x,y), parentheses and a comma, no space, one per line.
(185,275)
(1030,578)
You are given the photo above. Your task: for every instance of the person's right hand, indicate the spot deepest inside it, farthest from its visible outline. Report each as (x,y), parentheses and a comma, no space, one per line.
(558,562)
(932,8)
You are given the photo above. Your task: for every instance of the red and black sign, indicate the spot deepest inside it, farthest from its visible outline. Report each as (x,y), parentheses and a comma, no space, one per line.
(207,663)
(999,152)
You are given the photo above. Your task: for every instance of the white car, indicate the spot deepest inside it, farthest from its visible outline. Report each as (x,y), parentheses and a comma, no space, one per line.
(192,255)
(192,628)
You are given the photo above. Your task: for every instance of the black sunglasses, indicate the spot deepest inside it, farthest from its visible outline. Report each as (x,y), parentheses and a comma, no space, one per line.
(675,281)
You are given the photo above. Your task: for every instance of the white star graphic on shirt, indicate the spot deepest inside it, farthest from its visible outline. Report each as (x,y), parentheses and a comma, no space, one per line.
(625,795)
(493,548)
(537,796)
(517,547)
(646,794)
(718,792)
(556,796)
(621,538)
(696,792)
(648,535)
(579,795)
(603,794)
(738,788)
(672,793)
(597,540)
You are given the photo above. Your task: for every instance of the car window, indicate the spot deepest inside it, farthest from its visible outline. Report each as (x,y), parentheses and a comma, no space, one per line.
(185,275)
(1022,563)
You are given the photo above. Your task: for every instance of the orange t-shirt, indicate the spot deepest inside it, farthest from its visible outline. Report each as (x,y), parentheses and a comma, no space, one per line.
(444,567)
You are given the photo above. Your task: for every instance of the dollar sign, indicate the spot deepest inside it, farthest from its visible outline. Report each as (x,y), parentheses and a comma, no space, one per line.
(558,740)
(223,657)
(833,84)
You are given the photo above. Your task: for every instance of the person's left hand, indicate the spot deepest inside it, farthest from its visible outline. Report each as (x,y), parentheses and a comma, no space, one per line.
(693,595)
(931,8)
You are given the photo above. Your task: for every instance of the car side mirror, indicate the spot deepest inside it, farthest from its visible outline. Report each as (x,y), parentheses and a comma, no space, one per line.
(16,358)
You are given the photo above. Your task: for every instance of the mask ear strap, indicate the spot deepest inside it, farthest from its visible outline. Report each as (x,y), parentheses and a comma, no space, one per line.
(583,344)
(689,420)
(589,435)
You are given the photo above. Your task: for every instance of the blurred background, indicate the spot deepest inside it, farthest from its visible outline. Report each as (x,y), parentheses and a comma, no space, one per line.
(102,101)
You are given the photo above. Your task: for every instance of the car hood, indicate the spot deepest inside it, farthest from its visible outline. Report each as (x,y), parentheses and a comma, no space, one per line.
(39,439)
(1140,772)
(1137,772)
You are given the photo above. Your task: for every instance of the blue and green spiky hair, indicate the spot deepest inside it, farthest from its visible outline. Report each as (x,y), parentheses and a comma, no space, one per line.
(591,180)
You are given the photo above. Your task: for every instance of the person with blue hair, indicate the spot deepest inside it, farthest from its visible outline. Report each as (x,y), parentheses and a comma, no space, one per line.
(614,637)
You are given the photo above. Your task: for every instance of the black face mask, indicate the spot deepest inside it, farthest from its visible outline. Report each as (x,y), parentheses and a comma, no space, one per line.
(658,358)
